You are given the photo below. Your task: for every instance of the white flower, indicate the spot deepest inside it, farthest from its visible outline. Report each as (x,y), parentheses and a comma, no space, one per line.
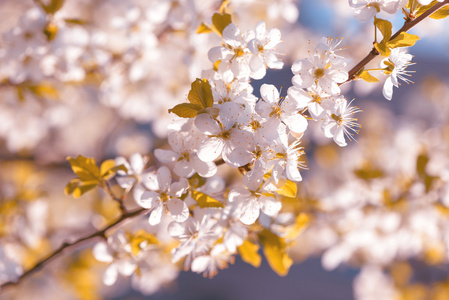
(316,101)
(286,159)
(340,123)
(395,65)
(164,195)
(184,146)
(222,136)
(321,69)
(252,199)
(116,252)
(262,47)
(366,9)
(196,235)
(287,112)
(217,259)
(234,55)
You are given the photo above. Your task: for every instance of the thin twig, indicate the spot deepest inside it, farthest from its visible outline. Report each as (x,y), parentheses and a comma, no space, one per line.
(66,245)
(120,200)
(406,27)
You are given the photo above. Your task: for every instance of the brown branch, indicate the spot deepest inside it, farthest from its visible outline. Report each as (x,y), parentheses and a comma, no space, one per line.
(406,27)
(65,246)
(120,200)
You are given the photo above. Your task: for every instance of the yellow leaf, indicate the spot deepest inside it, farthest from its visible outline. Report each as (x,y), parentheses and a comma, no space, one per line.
(223,6)
(220,21)
(204,200)
(50,31)
(108,169)
(300,224)
(274,249)
(423,8)
(289,189)
(186,110)
(365,75)
(53,6)
(140,240)
(385,28)
(249,253)
(441,13)
(44,90)
(404,39)
(203,28)
(383,49)
(201,93)
(77,188)
(85,168)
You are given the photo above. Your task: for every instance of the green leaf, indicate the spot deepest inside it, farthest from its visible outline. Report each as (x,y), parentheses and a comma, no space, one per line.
(365,75)
(220,21)
(201,93)
(274,249)
(289,189)
(85,168)
(441,13)
(249,252)
(404,39)
(186,110)
(204,200)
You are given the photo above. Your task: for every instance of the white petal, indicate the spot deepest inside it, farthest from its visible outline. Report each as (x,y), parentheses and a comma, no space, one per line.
(387,90)
(183,168)
(269,93)
(110,275)
(204,169)
(102,253)
(270,206)
(250,211)
(292,172)
(125,267)
(207,125)
(210,149)
(240,157)
(295,122)
(166,156)
(163,177)
(147,199)
(178,210)
(200,264)
(136,162)
(156,214)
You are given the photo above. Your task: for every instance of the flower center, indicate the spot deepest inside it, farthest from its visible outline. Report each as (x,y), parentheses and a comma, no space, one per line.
(254,125)
(337,119)
(319,73)
(225,135)
(163,196)
(275,111)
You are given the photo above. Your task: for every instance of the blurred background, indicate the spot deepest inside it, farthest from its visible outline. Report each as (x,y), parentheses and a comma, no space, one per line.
(97,78)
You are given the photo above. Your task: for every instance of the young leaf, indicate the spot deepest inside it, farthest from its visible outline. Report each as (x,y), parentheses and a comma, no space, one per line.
(441,13)
(220,22)
(201,93)
(289,189)
(404,39)
(274,249)
(249,253)
(85,168)
(365,75)
(108,169)
(300,224)
(203,28)
(385,28)
(78,187)
(186,110)
(204,200)
(383,49)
